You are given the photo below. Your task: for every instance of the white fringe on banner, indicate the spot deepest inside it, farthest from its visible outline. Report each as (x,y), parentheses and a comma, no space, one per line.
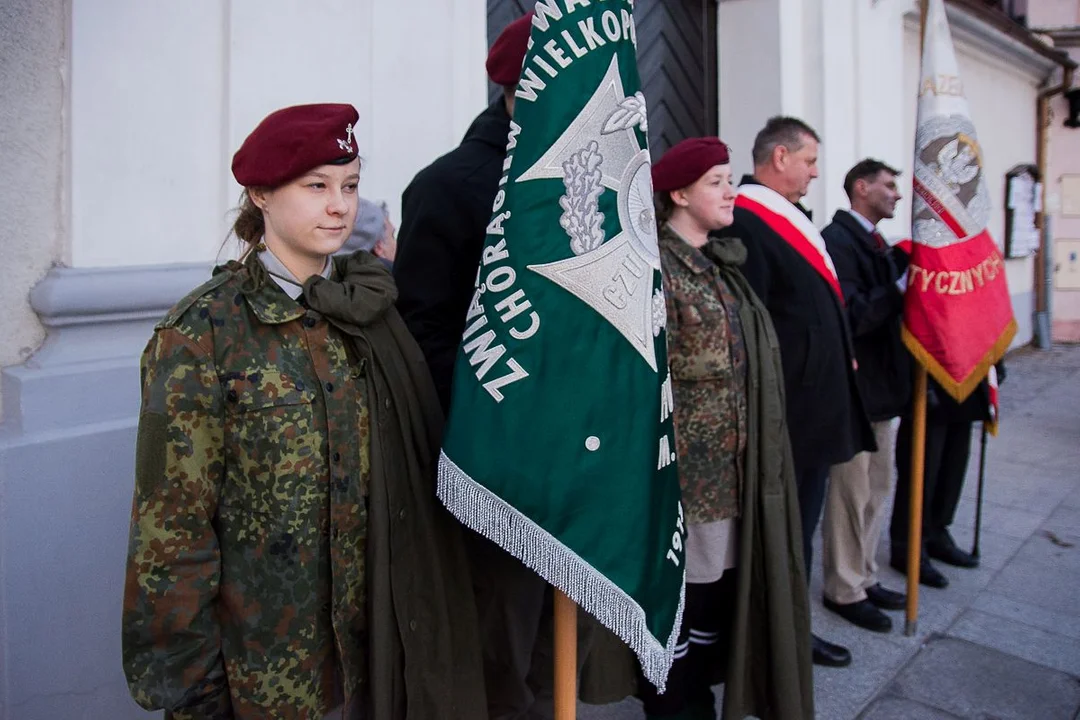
(481,510)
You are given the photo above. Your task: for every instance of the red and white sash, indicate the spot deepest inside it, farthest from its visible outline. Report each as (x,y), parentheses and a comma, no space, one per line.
(793,226)
(995,404)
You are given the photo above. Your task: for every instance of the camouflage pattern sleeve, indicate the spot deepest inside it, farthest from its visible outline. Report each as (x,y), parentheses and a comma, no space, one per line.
(171,635)
(669,302)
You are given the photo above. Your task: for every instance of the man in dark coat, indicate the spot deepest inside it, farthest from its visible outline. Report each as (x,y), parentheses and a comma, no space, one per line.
(871,275)
(948,447)
(445,213)
(789,268)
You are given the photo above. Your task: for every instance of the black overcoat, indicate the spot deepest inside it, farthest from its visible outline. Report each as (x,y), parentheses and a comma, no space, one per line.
(445,212)
(825,415)
(875,310)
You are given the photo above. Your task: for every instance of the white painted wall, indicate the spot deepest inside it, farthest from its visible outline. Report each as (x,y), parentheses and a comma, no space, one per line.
(858,93)
(763,58)
(146,131)
(836,64)
(850,69)
(750,55)
(883,109)
(164,93)
(32,79)
(1063,158)
(837,102)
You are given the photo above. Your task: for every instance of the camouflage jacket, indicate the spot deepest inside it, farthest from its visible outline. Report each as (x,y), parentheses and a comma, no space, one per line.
(245,591)
(707,355)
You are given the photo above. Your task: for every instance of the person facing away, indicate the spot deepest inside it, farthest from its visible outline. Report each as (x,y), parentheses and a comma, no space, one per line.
(445,211)
(747,619)
(288,557)
(372,232)
(872,276)
(789,268)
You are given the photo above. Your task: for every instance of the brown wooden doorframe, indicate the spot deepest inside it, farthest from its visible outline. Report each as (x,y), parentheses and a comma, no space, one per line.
(677,59)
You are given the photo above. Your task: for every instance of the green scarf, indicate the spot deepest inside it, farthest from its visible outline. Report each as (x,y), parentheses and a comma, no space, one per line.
(424,657)
(727,252)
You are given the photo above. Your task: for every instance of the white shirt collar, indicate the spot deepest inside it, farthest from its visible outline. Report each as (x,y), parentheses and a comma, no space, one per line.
(288,282)
(867,225)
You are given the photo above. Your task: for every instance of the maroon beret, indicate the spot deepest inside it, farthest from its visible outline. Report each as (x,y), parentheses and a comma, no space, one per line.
(507,54)
(293,140)
(684,163)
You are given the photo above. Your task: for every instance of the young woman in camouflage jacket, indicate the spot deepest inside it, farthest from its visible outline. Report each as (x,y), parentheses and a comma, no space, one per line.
(288,558)
(746,622)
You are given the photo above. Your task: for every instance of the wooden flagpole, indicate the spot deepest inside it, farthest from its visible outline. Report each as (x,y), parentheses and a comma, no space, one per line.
(565,657)
(918,448)
(915,503)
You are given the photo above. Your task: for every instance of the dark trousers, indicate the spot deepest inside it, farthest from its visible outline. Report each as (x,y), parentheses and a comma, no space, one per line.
(515,609)
(811,484)
(700,657)
(948,446)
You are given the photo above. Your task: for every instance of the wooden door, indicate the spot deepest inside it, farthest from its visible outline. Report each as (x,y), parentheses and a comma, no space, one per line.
(677,59)
(678,66)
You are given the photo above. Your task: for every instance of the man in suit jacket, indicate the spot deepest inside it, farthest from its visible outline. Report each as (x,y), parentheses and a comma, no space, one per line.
(872,278)
(789,268)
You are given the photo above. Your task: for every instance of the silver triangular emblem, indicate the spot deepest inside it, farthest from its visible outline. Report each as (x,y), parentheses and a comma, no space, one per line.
(615,281)
(598,150)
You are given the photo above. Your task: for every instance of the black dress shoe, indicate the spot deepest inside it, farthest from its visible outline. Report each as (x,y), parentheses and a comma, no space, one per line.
(862,613)
(825,653)
(945,550)
(929,575)
(886,599)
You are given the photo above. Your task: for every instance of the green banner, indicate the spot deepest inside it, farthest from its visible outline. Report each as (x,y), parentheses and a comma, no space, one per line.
(560,445)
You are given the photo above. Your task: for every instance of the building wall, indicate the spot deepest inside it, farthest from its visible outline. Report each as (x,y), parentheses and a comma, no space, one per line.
(120,125)
(1063,159)
(855,83)
(32,84)
(747,98)
(1053,13)
(152,140)
(838,64)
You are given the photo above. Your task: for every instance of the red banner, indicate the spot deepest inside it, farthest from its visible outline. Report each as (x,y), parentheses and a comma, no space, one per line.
(958,320)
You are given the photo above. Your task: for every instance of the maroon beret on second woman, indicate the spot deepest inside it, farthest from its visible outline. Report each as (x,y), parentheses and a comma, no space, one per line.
(293,140)
(684,163)
(507,54)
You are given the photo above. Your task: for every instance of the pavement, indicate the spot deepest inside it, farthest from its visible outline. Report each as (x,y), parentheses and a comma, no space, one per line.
(1002,642)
